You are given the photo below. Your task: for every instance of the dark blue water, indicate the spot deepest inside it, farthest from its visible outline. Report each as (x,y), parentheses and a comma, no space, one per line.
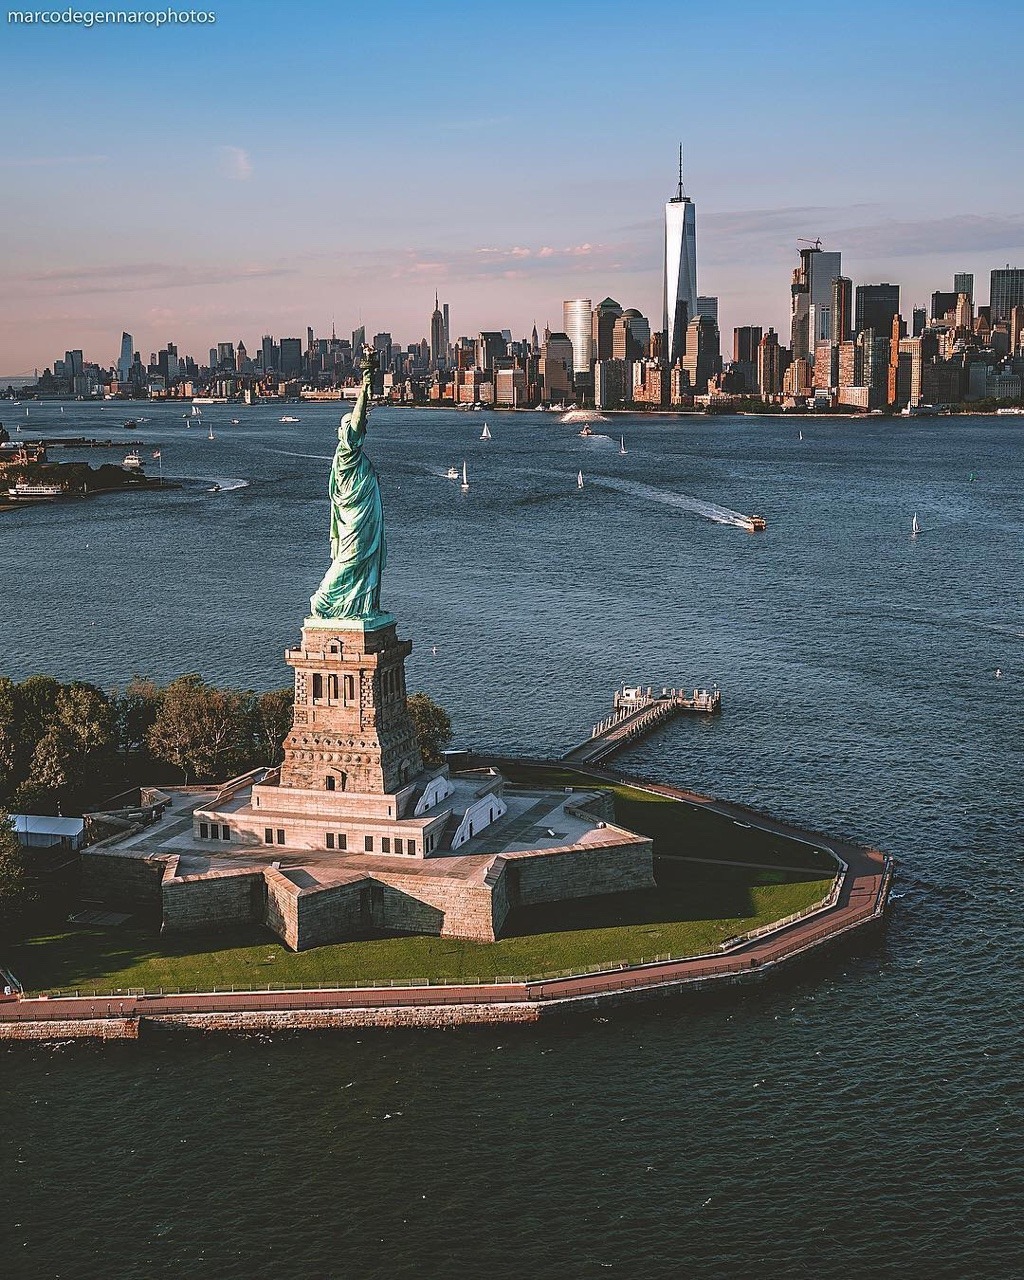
(862,1121)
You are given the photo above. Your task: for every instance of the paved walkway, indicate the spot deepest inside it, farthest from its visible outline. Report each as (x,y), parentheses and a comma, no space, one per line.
(861,901)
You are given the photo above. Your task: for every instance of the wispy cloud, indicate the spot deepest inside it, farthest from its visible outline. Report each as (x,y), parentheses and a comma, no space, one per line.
(754,235)
(236,163)
(134,278)
(959,233)
(40,162)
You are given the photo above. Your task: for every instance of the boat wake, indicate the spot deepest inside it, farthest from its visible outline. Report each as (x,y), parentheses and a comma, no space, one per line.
(582,415)
(682,501)
(288,453)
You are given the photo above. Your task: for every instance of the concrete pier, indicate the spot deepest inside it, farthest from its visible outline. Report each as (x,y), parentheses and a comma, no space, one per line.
(636,712)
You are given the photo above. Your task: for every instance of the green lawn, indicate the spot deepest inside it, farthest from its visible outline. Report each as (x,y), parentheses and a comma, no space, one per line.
(687,917)
(697,905)
(681,828)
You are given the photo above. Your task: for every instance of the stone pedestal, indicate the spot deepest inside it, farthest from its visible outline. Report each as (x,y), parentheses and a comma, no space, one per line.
(352,731)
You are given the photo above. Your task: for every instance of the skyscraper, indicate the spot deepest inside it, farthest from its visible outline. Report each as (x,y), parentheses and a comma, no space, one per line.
(680,295)
(124,361)
(875,306)
(769,365)
(438,343)
(811,320)
(1006,292)
(702,359)
(631,335)
(745,343)
(577,323)
(358,342)
(291,357)
(842,309)
(963,282)
(707,305)
(603,327)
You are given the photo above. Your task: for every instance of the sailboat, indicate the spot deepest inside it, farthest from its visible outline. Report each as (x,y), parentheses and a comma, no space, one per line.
(209,434)
(465,477)
(622,445)
(486,433)
(196,411)
(799,435)
(915,527)
(579,480)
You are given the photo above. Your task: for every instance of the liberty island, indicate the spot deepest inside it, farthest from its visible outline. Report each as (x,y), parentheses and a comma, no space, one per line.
(352,833)
(353,838)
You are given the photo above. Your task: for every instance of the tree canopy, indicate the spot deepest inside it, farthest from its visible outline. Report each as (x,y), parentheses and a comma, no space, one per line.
(433,727)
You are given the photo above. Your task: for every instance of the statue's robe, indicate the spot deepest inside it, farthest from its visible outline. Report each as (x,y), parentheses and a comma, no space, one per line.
(351,586)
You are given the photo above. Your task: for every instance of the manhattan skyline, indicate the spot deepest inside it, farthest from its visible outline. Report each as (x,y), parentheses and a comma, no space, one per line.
(207,183)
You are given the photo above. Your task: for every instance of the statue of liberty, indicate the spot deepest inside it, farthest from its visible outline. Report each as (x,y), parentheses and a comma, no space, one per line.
(350,589)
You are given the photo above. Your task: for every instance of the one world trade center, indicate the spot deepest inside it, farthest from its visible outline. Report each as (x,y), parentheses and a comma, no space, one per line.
(680,269)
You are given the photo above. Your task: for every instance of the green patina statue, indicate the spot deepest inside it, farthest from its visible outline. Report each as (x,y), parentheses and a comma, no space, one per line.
(350,589)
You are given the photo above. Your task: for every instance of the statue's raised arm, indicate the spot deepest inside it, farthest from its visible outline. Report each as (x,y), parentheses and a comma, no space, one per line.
(361,410)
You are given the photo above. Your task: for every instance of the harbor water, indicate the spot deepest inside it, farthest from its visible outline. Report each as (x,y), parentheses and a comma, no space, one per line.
(861,1119)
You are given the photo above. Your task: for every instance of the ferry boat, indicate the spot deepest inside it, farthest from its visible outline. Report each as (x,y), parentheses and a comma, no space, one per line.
(132,461)
(35,492)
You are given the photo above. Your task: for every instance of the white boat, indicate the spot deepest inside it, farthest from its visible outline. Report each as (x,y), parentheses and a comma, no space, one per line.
(35,492)
(579,480)
(196,411)
(132,461)
(453,473)
(486,433)
(286,418)
(465,477)
(622,445)
(584,432)
(915,526)
(799,435)
(235,421)
(209,434)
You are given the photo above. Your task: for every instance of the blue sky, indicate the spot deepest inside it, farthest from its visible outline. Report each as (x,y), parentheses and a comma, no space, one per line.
(290,164)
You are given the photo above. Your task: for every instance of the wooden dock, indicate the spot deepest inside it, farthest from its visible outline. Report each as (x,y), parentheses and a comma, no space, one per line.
(636,712)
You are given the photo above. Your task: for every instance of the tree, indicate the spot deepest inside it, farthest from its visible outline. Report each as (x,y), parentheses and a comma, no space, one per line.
(433,727)
(136,711)
(271,716)
(200,729)
(75,753)
(13,887)
(9,737)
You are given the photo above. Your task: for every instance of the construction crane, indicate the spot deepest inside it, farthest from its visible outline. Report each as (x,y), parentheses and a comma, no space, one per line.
(816,243)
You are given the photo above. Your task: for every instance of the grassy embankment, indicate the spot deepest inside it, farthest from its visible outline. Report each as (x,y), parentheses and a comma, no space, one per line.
(696,906)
